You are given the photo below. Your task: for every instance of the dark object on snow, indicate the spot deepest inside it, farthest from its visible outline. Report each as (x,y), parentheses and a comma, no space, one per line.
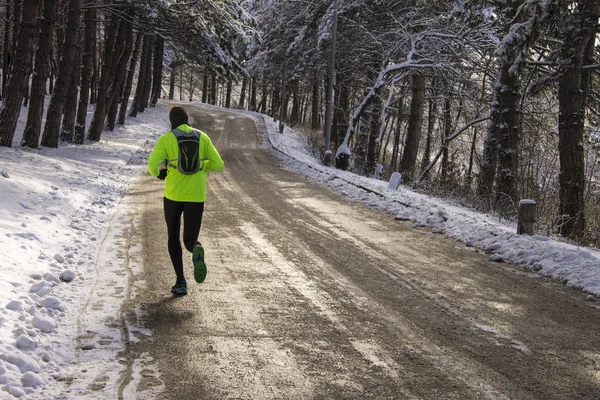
(342,161)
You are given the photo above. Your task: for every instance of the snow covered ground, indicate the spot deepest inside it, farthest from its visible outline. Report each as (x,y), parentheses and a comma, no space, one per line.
(65,270)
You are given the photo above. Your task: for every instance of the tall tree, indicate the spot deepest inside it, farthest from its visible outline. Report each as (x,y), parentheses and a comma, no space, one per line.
(117,86)
(136,105)
(67,130)
(158,71)
(86,73)
(413,134)
(109,61)
(31,134)
(57,101)
(573,88)
(129,81)
(20,70)
(8,20)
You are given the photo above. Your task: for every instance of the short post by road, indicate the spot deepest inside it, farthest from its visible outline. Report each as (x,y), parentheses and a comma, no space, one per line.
(527,215)
(395,181)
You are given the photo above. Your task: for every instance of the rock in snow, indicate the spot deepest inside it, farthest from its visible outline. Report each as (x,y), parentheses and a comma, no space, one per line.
(67,276)
(43,324)
(496,257)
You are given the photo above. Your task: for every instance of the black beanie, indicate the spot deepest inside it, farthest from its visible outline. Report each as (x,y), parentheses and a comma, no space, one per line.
(177,117)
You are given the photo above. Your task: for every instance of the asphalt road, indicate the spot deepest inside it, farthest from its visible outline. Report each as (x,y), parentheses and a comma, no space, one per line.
(311,296)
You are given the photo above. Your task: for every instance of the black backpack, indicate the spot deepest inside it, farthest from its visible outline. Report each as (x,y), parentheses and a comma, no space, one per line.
(188,161)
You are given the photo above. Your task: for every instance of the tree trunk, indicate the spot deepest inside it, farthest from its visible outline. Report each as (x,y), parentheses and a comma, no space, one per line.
(444,146)
(413,133)
(374,128)
(158,71)
(129,81)
(295,114)
(95,72)
(315,105)
(116,89)
(243,92)
(33,126)
(205,88)
(341,114)
(213,88)
(507,132)
(148,76)
(397,135)
(20,70)
(361,144)
(86,73)
(432,115)
(573,87)
(172,79)
(253,95)
(106,77)
(9,19)
(137,98)
(228,95)
(65,69)
(70,110)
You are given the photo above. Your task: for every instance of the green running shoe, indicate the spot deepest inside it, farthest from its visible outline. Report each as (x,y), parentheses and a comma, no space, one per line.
(180,289)
(199,264)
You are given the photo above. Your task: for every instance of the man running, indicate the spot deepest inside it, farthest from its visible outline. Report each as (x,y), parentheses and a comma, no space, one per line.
(176,159)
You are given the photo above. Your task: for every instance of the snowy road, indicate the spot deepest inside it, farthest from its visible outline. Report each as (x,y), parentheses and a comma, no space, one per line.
(310,296)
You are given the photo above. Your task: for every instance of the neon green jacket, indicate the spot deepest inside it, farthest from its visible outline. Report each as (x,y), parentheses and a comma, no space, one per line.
(180,187)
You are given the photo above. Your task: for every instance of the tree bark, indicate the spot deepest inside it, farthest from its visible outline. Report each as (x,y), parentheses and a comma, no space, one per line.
(432,115)
(253,95)
(137,98)
(9,19)
(106,77)
(129,81)
(149,75)
(315,105)
(213,88)
(70,110)
(86,73)
(505,120)
(33,126)
(228,95)
(374,128)
(243,92)
(573,88)
(116,88)
(57,101)
(158,71)
(205,88)
(413,133)
(20,70)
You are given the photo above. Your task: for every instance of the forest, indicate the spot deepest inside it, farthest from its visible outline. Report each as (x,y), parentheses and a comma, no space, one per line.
(487,102)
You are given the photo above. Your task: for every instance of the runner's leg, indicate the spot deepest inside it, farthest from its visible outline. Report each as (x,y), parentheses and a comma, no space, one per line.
(173,210)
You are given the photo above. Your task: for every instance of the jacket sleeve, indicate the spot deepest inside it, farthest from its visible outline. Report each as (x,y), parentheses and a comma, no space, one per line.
(157,157)
(213,160)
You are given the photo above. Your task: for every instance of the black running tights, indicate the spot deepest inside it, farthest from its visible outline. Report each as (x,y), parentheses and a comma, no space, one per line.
(192,220)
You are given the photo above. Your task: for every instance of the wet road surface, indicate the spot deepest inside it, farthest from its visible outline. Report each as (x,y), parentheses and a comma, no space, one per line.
(311,296)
